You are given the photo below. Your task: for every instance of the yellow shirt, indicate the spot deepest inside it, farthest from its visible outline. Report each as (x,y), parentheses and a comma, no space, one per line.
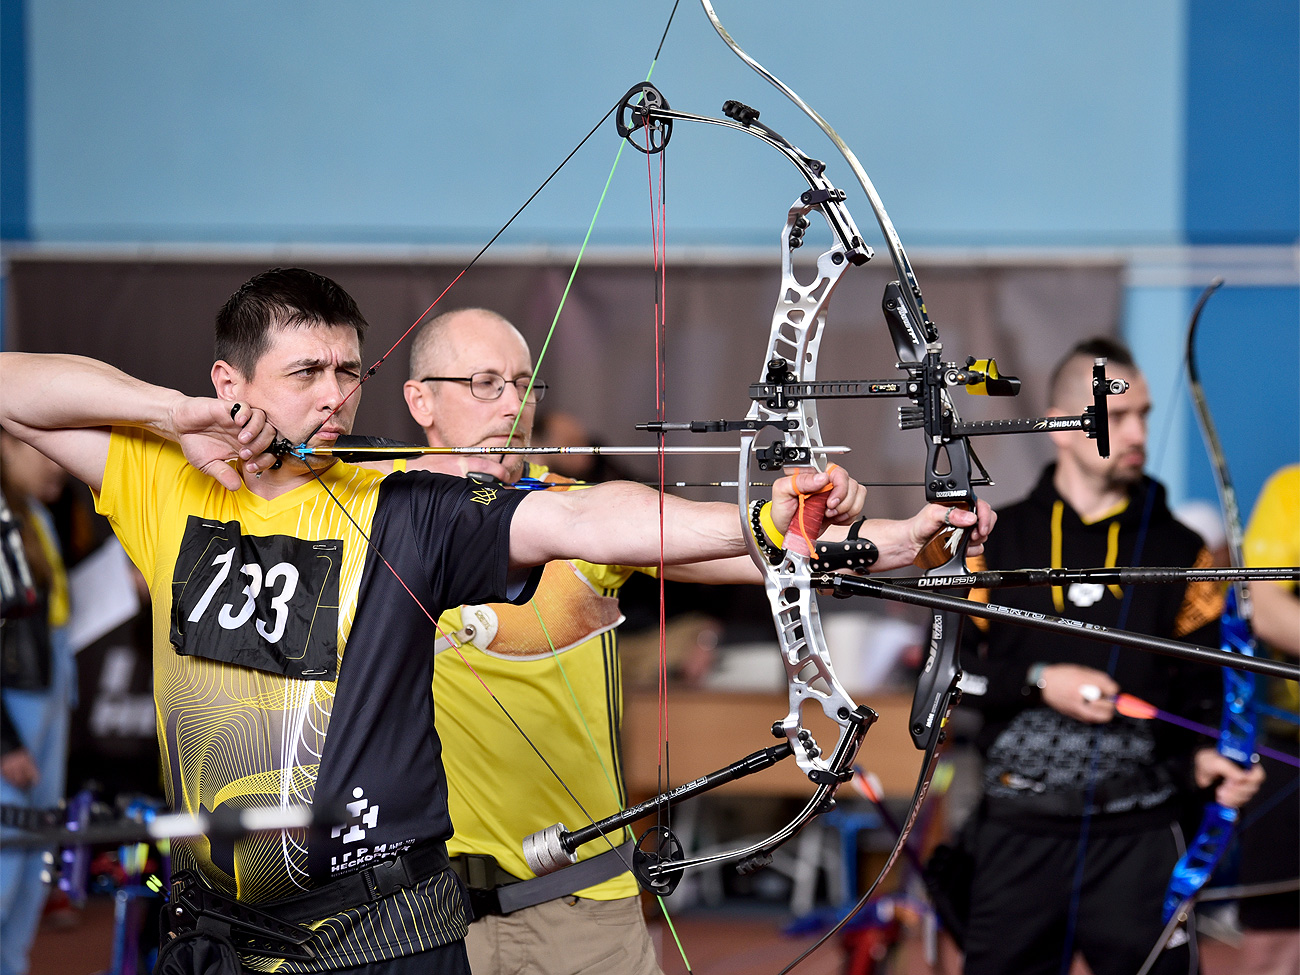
(291,667)
(1273,538)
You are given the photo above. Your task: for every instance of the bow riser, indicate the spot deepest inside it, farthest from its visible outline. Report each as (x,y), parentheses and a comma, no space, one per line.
(1239,728)
(1196,866)
(798,324)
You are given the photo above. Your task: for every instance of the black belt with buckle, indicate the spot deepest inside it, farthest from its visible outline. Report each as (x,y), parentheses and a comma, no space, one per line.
(494,891)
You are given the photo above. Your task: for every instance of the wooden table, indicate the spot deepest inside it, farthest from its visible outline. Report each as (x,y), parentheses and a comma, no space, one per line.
(708,730)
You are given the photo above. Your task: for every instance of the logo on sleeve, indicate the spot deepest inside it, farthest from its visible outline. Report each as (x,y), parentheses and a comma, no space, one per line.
(483,495)
(363,816)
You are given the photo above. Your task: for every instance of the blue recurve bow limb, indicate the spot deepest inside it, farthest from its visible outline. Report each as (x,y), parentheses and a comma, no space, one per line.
(1237,730)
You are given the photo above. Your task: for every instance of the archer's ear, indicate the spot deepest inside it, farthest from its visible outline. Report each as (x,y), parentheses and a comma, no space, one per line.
(226,380)
(419,400)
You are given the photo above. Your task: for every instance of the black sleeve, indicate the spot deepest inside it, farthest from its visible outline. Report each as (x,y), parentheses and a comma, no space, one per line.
(460,532)
(1196,693)
(996,671)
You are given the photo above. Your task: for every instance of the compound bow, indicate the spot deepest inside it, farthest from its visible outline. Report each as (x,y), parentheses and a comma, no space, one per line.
(784,399)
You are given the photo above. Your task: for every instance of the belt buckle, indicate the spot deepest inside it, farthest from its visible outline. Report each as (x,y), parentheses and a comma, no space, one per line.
(384,878)
(480,870)
(482,903)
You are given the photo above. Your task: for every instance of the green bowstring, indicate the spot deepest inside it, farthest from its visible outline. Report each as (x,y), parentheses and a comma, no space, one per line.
(546,344)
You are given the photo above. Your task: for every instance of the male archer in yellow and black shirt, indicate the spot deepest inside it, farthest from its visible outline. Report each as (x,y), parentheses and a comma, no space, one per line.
(553,664)
(290,661)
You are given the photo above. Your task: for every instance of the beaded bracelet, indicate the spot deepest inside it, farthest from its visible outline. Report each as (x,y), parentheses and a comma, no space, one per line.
(768,539)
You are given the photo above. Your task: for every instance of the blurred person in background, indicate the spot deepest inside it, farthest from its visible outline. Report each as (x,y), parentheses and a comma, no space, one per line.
(1270,825)
(1078,830)
(38,682)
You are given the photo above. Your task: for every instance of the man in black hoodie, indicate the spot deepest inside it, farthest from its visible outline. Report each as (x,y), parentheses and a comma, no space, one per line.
(1078,829)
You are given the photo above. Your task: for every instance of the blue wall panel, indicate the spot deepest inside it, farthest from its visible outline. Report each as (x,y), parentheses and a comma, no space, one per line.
(1248,354)
(13,120)
(1243,122)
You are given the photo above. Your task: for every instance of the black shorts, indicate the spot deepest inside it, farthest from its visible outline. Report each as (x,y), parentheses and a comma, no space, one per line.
(1028,898)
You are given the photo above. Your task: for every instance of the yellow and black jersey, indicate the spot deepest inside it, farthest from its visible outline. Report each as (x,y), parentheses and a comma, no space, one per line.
(291,666)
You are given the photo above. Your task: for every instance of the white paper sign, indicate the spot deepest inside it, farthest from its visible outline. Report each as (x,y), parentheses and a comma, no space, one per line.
(103,593)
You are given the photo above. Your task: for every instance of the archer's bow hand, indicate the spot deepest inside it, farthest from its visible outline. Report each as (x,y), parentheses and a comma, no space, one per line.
(806,501)
(935,519)
(213,432)
(1234,786)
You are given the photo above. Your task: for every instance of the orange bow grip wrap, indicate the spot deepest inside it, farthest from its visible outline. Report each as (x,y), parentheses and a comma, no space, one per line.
(808,520)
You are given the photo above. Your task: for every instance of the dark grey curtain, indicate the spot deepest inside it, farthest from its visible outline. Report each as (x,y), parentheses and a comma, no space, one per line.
(153,318)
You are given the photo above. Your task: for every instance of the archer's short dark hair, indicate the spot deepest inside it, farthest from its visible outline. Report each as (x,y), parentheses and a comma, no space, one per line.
(283,297)
(1112,350)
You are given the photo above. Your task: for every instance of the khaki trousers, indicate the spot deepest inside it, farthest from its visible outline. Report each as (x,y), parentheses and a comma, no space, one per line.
(566,936)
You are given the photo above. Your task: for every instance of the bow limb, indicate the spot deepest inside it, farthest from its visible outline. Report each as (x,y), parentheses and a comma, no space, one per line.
(1239,724)
(912,297)
(917,344)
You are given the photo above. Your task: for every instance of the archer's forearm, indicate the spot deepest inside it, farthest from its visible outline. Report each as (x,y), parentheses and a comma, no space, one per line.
(894,541)
(58,392)
(618,523)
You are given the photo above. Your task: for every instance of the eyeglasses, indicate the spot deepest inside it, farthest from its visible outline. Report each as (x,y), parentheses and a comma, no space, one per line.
(490,386)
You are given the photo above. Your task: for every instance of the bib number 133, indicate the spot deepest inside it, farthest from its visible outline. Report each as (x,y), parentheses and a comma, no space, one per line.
(267,602)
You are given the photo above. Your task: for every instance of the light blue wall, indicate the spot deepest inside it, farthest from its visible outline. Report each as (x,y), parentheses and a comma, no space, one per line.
(318,120)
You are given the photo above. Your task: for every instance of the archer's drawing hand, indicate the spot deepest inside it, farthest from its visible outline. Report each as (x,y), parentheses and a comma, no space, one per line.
(1236,785)
(213,432)
(1063,687)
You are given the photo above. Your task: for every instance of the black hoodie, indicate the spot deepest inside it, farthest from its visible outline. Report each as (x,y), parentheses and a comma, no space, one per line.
(1042,767)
